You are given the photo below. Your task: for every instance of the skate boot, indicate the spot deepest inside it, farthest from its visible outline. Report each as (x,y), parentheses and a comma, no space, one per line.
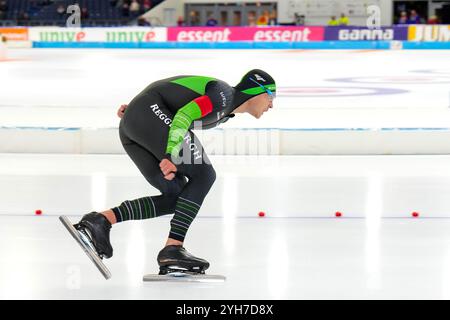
(95,227)
(175,259)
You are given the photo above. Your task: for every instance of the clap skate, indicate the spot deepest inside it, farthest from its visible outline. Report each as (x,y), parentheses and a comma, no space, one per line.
(92,234)
(176,264)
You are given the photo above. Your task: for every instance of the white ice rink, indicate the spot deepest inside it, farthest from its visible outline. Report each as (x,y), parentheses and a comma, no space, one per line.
(316,89)
(299,250)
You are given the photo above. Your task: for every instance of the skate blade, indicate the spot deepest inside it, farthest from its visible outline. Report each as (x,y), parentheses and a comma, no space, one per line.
(86,247)
(183,277)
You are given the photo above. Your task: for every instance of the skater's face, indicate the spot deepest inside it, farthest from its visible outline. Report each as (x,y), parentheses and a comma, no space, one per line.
(260,104)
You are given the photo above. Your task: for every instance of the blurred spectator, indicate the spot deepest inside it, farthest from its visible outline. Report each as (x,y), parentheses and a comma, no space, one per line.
(333,22)
(433,20)
(125,10)
(299,19)
(193,18)
(344,21)
(403,19)
(3,6)
(180,21)
(414,18)
(61,10)
(113,3)
(23,18)
(33,6)
(135,8)
(251,17)
(146,5)
(142,22)
(3,9)
(211,22)
(273,18)
(263,19)
(84,13)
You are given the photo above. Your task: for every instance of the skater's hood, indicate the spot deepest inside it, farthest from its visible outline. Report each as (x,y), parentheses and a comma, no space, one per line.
(253,83)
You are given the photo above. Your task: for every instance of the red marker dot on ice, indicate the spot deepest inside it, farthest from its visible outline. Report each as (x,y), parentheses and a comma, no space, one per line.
(338,214)
(415,214)
(261,214)
(38,212)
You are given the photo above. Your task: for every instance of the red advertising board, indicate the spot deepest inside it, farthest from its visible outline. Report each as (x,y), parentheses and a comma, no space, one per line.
(255,34)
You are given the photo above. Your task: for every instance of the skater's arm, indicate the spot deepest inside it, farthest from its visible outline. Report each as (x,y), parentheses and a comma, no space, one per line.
(183,119)
(194,110)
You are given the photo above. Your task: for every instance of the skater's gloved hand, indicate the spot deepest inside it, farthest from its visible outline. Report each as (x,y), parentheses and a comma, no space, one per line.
(168,169)
(121,110)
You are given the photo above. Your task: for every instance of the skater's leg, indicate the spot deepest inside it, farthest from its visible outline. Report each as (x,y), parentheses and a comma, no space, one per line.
(147,207)
(150,133)
(145,128)
(142,132)
(201,176)
(99,225)
(143,136)
(197,167)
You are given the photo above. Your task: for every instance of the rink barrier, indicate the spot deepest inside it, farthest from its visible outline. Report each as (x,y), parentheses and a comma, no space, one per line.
(240,141)
(316,45)
(269,37)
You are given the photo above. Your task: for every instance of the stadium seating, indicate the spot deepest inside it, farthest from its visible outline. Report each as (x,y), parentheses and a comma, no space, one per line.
(44,12)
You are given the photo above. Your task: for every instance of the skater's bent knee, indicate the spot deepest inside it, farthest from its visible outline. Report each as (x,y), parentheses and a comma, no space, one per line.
(172,187)
(208,175)
(212,175)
